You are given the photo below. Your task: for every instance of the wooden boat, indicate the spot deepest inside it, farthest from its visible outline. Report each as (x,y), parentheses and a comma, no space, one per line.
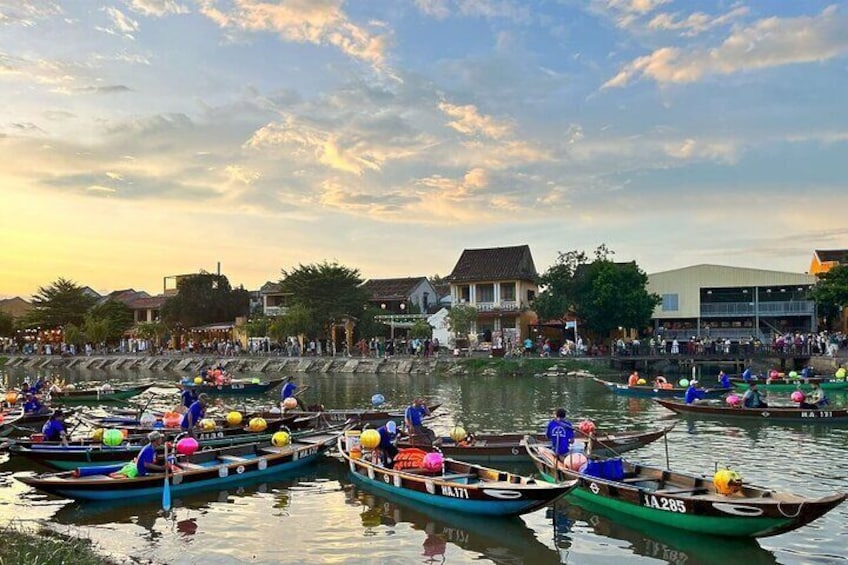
(509,448)
(99,394)
(650,391)
(203,470)
(233,388)
(87,454)
(785,414)
(788,385)
(461,487)
(339,416)
(684,501)
(293,421)
(20,423)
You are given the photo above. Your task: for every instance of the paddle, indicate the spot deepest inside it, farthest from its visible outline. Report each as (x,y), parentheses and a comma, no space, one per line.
(166,489)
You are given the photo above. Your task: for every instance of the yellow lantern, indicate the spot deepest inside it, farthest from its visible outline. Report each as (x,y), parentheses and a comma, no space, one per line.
(727,482)
(11,397)
(458,434)
(370,439)
(207,424)
(234,418)
(198,381)
(257,425)
(281,439)
(97,435)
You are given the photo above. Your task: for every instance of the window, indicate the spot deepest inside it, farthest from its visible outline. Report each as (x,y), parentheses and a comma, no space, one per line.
(669,303)
(508,292)
(465,294)
(485,292)
(531,294)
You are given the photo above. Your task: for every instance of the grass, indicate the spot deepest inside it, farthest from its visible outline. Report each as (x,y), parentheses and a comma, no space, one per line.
(43,546)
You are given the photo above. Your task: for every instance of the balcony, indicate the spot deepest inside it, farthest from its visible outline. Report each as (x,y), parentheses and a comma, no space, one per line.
(502,306)
(275,310)
(785,308)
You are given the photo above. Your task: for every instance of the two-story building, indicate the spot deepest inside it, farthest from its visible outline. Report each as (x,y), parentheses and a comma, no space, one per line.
(275,302)
(500,283)
(733,303)
(414,293)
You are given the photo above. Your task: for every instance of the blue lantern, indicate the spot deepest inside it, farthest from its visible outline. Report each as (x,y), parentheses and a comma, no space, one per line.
(378,399)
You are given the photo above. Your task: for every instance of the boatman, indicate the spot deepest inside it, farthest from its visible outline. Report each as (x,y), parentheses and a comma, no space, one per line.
(746,375)
(195,413)
(387,449)
(633,379)
(752,398)
(724,379)
(290,391)
(816,399)
(561,433)
(188,396)
(419,434)
(32,404)
(54,428)
(694,394)
(144,463)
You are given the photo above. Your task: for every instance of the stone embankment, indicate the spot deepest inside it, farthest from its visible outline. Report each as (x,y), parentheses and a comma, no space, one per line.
(194,363)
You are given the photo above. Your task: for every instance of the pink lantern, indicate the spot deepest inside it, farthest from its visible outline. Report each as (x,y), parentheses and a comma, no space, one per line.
(774,374)
(586,427)
(574,461)
(797,396)
(733,400)
(433,461)
(187,446)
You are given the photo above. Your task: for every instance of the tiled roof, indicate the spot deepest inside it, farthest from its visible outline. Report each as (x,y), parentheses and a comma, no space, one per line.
(15,307)
(832,255)
(391,289)
(494,264)
(271,288)
(126,296)
(148,302)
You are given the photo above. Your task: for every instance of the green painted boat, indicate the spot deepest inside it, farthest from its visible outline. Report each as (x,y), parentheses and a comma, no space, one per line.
(683,501)
(101,394)
(788,385)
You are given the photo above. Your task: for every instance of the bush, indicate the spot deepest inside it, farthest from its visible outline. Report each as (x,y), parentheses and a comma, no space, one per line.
(43,546)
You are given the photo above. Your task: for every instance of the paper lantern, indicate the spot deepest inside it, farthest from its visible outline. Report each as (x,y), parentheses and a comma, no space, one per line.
(187,446)
(683,382)
(207,424)
(257,425)
(147,420)
(773,374)
(290,403)
(458,434)
(433,461)
(797,396)
(370,439)
(733,400)
(641,382)
(234,418)
(172,419)
(574,461)
(793,374)
(113,438)
(587,427)
(281,439)
(727,482)
(11,397)
(255,381)
(198,381)
(378,399)
(97,435)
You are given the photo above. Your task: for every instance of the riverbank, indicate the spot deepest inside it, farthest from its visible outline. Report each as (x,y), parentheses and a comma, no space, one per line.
(192,364)
(46,547)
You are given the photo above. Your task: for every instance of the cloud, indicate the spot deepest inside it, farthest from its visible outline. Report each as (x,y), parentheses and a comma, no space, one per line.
(469,121)
(697,22)
(320,22)
(769,42)
(101,189)
(625,13)
(441,9)
(121,24)
(27,12)
(156,8)
(106,89)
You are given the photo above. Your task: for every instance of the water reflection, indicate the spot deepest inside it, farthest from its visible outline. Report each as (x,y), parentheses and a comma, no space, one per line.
(504,541)
(676,547)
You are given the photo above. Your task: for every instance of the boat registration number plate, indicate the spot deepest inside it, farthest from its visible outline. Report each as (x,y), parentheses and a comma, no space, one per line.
(663,503)
(817,414)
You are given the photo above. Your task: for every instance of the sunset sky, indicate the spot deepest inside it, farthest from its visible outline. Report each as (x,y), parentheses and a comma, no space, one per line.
(144,138)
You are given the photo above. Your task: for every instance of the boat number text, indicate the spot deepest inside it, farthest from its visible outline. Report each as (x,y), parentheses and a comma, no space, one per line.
(817,414)
(210,435)
(662,503)
(448,490)
(305,452)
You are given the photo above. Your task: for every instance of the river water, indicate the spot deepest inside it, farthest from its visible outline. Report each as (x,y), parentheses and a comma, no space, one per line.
(318,516)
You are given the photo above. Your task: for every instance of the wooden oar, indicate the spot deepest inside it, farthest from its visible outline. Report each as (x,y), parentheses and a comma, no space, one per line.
(166,489)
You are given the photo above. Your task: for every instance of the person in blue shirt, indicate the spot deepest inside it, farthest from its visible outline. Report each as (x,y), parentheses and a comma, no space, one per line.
(32,404)
(195,413)
(188,396)
(290,391)
(816,399)
(746,375)
(752,398)
(388,450)
(560,432)
(54,428)
(145,461)
(418,433)
(694,394)
(724,380)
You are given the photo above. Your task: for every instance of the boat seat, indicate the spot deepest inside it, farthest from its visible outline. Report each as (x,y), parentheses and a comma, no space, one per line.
(693,491)
(232,458)
(636,479)
(191,466)
(455,476)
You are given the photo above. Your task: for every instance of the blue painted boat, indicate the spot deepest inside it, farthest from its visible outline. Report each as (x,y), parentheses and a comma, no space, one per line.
(203,470)
(458,486)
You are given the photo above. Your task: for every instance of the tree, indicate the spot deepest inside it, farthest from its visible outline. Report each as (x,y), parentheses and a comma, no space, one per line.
(367,327)
(152,331)
(460,318)
(7,325)
(602,294)
(298,320)
(96,330)
(831,292)
(258,326)
(205,298)
(329,291)
(420,329)
(61,302)
(72,335)
(116,318)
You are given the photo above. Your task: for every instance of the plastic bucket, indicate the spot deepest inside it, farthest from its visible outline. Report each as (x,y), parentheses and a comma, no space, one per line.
(352,441)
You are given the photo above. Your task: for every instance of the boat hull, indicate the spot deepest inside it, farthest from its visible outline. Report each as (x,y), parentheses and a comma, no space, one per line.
(785,385)
(69,397)
(652,392)
(234,389)
(771,414)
